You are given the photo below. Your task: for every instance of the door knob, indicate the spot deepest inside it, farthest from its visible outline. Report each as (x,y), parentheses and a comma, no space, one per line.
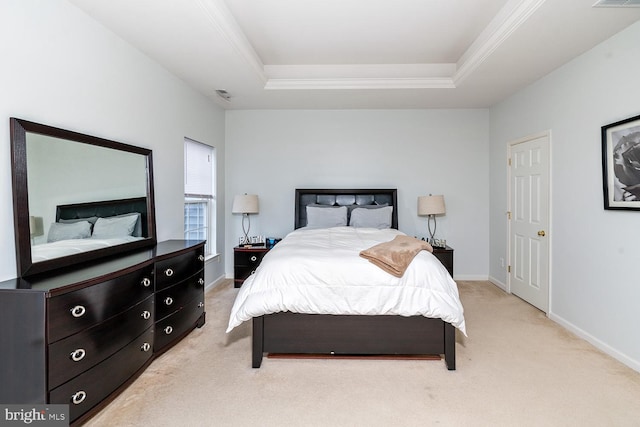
(541,233)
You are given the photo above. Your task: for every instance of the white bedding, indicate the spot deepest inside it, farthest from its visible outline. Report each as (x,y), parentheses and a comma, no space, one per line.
(47,251)
(319,271)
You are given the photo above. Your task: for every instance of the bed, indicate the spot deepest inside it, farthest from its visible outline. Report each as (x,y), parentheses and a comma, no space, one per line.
(82,227)
(347,328)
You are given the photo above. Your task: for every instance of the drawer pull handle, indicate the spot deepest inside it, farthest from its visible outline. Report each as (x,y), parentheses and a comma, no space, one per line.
(168,300)
(78,397)
(78,311)
(146,315)
(146,282)
(168,272)
(200,304)
(254,258)
(168,330)
(145,347)
(78,355)
(201,281)
(200,257)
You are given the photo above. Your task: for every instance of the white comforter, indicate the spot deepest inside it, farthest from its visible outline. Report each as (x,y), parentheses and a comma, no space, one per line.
(319,271)
(47,251)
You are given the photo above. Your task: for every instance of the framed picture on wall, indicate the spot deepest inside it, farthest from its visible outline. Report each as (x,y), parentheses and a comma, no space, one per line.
(621,164)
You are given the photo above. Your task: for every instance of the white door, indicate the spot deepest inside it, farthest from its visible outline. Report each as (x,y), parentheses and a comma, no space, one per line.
(529,224)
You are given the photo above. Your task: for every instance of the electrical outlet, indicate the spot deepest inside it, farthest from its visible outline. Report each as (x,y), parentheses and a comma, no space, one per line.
(502,262)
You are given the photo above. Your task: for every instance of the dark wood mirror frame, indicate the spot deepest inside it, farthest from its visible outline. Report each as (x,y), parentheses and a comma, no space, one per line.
(25,267)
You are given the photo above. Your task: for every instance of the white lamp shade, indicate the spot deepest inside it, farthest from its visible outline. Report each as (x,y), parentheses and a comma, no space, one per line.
(431,205)
(245,204)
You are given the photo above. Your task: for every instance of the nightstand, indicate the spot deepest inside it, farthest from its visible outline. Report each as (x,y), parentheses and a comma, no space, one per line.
(445,255)
(245,262)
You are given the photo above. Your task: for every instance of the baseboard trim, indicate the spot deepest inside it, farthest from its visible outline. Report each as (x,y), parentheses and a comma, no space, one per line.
(214,284)
(619,356)
(470,277)
(498,283)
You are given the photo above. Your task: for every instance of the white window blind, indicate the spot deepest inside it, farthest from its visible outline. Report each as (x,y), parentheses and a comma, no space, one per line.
(198,169)
(199,195)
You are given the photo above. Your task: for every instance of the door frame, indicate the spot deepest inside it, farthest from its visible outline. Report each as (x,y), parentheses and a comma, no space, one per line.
(510,145)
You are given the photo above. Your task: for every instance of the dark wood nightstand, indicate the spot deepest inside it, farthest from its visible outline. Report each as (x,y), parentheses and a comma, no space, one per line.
(445,255)
(245,262)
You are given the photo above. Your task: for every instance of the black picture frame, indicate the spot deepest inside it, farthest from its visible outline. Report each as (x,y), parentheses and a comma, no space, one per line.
(621,164)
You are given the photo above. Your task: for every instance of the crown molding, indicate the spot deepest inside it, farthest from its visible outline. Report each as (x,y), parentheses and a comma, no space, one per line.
(509,19)
(222,19)
(360,83)
(360,76)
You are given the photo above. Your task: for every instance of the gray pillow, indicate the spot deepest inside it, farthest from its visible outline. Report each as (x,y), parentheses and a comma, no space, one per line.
(137,230)
(115,226)
(324,217)
(92,220)
(371,218)
(65,231)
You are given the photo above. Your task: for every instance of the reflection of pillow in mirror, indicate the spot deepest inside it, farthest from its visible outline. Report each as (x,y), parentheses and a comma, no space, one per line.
(74,230)
(115,226)
(371,218)
(92,220)
(322,217)
(137,230)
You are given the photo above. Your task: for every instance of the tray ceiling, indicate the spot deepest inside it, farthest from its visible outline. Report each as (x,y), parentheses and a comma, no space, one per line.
(360,53)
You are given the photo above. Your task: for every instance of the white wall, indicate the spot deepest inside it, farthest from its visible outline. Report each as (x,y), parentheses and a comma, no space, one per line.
(61,68)
(594,286)
(270,153)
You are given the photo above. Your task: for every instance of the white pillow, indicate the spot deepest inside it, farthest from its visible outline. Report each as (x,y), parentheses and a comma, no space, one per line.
(66,231)
(324,217)
(371,218)
(117,226)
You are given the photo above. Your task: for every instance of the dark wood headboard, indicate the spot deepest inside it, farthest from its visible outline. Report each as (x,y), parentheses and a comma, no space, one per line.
(344,197)
(106,209)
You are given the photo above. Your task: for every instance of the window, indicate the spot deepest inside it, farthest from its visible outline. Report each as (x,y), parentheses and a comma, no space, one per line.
(199,195)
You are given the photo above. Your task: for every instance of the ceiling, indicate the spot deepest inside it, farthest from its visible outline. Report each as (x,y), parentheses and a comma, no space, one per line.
(309,54)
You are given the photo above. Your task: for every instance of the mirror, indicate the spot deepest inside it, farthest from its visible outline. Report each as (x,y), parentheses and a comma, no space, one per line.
(77,198)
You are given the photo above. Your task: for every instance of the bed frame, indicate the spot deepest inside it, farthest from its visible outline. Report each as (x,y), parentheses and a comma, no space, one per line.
(295,333)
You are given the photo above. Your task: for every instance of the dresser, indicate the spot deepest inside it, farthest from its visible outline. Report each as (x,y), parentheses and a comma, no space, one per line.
(245,262)
(80,336)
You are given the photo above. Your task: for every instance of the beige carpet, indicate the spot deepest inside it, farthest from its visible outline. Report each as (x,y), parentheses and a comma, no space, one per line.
(516,368)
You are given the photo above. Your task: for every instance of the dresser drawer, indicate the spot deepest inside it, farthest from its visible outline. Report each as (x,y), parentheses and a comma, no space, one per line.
(177,296)
(241,273)
(75,354)
(178,268)
(72,312)
(88,389)
(172,327)
(250,258)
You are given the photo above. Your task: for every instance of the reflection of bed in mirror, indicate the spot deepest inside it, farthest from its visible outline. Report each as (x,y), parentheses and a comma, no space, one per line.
(82,227)
(52,167)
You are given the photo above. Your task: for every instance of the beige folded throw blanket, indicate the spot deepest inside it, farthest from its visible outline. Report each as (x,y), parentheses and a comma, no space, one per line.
(395,256)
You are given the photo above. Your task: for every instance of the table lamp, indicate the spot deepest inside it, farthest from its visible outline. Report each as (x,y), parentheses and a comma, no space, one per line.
(246,205)
(431,206)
